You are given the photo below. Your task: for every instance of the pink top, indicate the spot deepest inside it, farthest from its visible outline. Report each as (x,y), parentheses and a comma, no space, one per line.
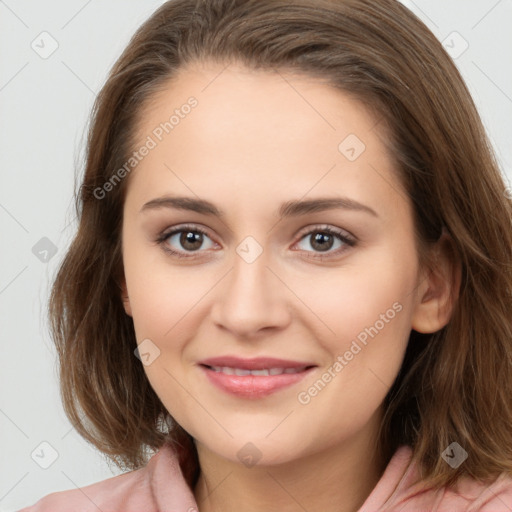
(160,487)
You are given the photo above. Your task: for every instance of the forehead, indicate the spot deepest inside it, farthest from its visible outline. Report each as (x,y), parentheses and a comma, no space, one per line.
(259,101)
(258,131)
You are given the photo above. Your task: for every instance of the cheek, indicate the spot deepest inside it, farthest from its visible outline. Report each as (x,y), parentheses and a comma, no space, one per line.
(375,292)
(161,294)
(369,309)
(370,313)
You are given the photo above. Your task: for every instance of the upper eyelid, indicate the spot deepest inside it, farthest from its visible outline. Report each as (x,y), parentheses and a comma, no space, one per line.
(178,229)
(326,227)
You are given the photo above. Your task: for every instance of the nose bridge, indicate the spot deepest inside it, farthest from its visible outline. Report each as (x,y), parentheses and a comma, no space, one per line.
(252,297)
(250,277)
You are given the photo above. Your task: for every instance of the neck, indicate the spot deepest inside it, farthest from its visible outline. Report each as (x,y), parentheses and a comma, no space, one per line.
(337,479)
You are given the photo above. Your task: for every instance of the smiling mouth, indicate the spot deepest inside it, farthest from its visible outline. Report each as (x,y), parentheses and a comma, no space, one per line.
(266,372)
(254,384)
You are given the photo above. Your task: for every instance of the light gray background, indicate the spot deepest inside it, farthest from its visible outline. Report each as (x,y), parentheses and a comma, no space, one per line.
(45,103)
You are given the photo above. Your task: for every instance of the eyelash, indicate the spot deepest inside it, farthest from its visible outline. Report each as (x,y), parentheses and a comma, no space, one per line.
(165,235)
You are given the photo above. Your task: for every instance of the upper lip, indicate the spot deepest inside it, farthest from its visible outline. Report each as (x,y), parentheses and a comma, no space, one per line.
(256,363)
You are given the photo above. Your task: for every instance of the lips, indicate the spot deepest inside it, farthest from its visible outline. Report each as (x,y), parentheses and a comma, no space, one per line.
(254,378)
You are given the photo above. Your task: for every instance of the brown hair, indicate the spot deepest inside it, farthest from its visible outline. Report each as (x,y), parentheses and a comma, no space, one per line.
(454,385)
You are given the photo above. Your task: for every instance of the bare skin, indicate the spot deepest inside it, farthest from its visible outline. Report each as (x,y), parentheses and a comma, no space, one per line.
(252,143)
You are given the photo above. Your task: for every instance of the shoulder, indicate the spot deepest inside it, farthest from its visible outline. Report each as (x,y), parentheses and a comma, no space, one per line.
(468,495)
(137,490)
(109,494)
(478,496)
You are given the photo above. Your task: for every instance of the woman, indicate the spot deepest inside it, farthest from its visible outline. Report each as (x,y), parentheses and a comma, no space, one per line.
(337,336)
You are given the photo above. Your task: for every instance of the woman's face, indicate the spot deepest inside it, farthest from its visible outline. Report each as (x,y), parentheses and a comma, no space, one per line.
(279,160)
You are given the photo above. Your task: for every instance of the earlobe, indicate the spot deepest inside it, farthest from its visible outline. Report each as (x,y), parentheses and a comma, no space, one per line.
(125,298)
(438,290)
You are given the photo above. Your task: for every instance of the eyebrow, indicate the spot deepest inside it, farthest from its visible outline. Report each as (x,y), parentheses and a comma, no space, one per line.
(292,208)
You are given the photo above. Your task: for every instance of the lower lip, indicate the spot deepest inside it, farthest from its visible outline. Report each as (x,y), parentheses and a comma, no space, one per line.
(253,386)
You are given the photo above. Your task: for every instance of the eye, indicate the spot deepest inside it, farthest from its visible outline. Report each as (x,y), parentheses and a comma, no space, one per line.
(188,239)
(323,239)
(181,240)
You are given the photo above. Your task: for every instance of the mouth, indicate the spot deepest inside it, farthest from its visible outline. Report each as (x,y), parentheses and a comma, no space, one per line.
(242,372)
(254,378)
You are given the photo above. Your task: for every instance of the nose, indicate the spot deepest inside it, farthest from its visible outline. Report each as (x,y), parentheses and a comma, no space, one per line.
(252,300)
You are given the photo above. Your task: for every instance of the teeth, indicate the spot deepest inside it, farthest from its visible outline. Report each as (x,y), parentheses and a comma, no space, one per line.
(261,372)
(264,372)
(292,370)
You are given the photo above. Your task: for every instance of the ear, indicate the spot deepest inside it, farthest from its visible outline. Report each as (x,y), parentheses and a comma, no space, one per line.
(125,298)
(438,288)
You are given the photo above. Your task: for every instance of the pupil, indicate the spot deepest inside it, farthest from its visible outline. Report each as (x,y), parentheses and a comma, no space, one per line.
(191,237)
(320,238)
